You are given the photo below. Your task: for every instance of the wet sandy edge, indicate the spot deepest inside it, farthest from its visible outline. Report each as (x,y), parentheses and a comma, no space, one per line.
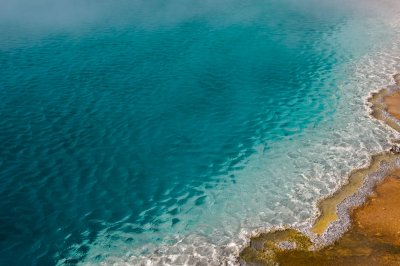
(335,211)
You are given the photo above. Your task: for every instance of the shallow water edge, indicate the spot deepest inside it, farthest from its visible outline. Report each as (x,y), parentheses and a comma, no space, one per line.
(305,243)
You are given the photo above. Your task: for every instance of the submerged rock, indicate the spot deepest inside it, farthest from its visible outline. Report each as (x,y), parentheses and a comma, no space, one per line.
(395,149)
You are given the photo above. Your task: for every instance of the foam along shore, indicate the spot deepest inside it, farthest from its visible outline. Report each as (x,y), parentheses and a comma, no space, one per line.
(367,205)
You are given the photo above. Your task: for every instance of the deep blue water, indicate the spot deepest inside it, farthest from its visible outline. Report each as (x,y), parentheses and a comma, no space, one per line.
(126,117)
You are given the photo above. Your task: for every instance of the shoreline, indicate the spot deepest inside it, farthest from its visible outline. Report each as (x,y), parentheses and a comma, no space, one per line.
(373,238)
(334,217)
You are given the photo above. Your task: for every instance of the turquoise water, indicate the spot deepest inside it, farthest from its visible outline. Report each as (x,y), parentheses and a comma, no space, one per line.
(135,125)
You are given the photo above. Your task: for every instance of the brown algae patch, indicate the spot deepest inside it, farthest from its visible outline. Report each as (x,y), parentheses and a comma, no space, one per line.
(374,235)
(265,248)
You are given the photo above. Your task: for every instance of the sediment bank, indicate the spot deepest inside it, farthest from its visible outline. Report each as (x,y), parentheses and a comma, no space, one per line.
(357,225)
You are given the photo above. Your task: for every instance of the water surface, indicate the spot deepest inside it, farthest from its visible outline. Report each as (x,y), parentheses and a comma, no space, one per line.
(137,129)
